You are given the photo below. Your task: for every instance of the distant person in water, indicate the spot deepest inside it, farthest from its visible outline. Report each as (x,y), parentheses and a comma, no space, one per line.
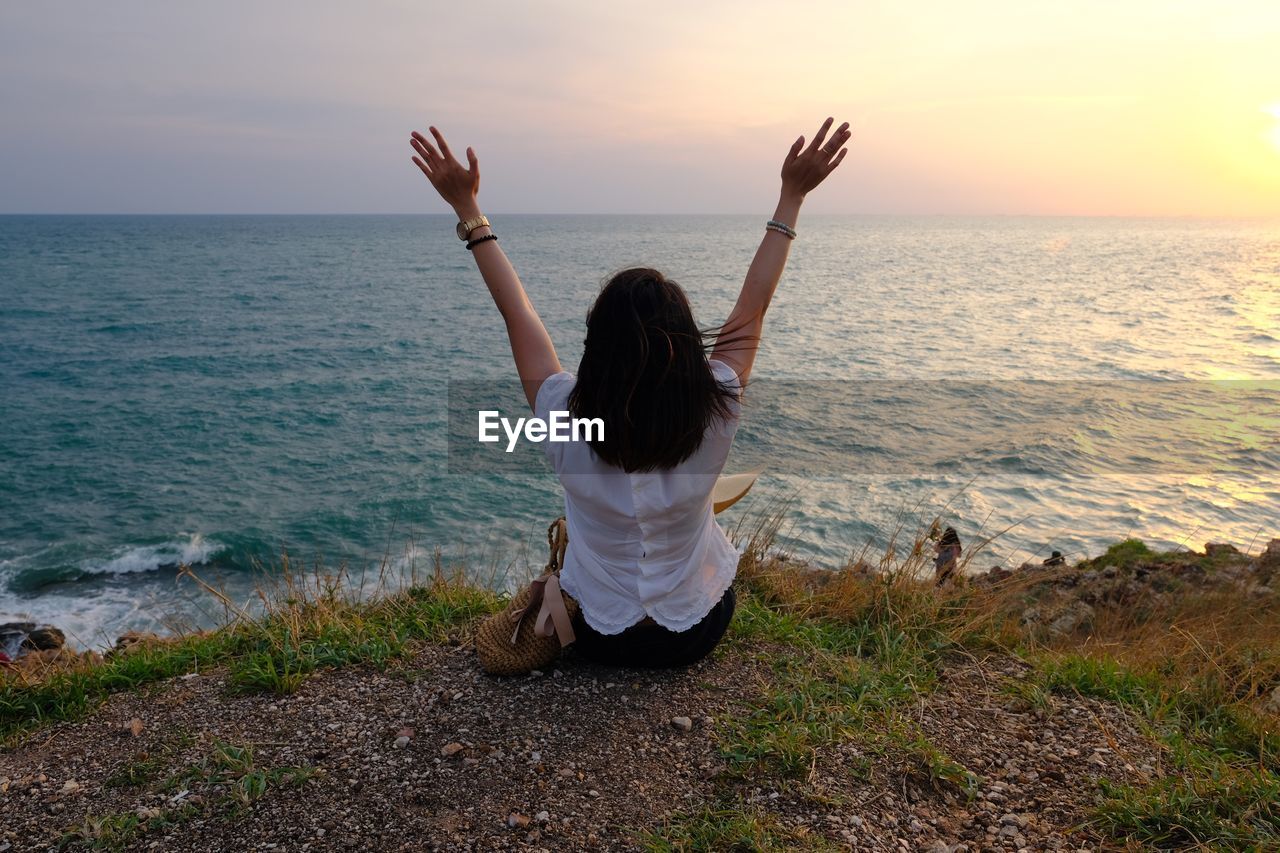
(647,562)
(947,556)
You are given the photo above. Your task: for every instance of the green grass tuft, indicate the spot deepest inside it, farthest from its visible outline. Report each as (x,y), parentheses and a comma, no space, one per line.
(733,827)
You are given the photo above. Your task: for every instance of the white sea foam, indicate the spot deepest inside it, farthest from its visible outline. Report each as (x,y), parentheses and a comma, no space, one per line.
(147,558)
(94,619)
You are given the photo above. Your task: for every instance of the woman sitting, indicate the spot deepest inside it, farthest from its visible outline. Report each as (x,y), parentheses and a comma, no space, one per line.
(647,562)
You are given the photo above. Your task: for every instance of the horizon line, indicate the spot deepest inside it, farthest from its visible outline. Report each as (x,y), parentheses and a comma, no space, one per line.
(1164,216)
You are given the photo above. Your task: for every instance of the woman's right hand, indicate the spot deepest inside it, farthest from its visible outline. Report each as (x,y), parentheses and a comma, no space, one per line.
(804,170)
(456,183)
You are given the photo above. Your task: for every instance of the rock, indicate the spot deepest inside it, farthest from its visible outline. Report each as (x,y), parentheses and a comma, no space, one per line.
(1269,563)
(683,724)
(17,639)
(515,820)
(542,817)
(135,727)
(1273,702)
(995,575)
(1075,617)
(451,749)
(69,787)
(1220,549)
(46,637)
(401,742)
(406,732)
(130,640)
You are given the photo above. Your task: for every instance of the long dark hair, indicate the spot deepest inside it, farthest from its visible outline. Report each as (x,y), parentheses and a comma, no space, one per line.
(644,372)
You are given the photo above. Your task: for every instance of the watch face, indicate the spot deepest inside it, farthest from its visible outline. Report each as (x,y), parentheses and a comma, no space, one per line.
(462,230)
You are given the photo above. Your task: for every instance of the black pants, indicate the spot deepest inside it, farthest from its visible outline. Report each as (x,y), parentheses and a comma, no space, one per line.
(652,646)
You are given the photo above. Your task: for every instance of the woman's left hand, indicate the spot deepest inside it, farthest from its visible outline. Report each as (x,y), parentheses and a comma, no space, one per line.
(457,184)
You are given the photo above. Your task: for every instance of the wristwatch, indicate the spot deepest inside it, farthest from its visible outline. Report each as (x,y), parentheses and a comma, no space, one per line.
(465,228)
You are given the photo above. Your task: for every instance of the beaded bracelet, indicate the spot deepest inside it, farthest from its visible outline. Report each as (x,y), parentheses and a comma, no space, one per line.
(471,244)
(781,227)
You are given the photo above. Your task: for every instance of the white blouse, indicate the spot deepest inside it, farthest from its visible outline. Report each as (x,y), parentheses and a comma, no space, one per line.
(647,543)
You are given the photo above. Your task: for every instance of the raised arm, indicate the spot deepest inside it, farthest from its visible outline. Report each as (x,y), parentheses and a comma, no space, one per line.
(458,185)
(739,339)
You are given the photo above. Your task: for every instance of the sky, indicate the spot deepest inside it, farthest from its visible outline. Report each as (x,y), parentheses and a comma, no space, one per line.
(1120,108)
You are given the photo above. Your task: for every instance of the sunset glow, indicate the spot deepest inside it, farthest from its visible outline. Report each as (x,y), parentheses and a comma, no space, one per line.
(1273,135)
(1095,108)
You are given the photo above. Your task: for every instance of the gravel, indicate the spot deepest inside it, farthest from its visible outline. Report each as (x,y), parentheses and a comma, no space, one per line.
(438,756)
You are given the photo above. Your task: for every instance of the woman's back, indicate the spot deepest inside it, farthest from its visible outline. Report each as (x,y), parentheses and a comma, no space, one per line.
(643,543)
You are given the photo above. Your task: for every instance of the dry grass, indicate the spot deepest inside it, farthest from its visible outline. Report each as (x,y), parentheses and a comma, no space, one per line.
(1226,641)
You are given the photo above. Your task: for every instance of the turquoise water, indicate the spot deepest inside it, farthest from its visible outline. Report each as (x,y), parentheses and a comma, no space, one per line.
(213,390)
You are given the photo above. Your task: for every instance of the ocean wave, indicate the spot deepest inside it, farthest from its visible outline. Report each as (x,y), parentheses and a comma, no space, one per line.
(31,573)
(148,558)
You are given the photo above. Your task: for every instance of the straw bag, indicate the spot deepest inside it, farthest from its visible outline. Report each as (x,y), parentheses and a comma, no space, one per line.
(537,623)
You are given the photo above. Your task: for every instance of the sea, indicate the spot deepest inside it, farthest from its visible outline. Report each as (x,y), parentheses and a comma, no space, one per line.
(242,394)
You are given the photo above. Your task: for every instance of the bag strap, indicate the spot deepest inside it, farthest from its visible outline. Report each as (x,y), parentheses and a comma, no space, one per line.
(557,541)
(546,599)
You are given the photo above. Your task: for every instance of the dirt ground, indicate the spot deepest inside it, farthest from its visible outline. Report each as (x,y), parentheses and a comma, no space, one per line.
(438,756)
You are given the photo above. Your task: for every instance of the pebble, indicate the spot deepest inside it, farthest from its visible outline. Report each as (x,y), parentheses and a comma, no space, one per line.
(401,742)
(515,820)
(683,724)
(450,749)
